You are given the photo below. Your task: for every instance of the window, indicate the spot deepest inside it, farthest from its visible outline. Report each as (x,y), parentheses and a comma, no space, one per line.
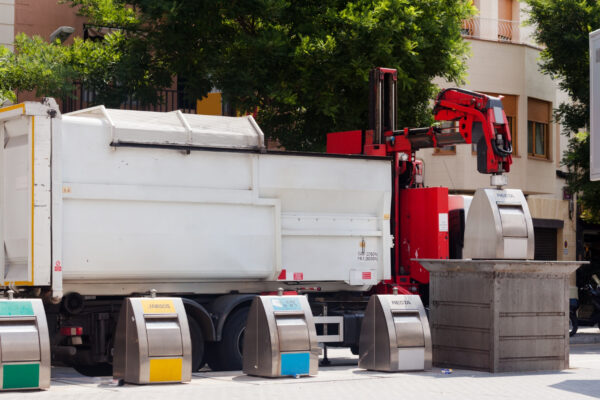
(537,139)
(506,25)
(512,127)
(538,128)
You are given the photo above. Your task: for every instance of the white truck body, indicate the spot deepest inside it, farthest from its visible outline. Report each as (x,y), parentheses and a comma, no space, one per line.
(112,202)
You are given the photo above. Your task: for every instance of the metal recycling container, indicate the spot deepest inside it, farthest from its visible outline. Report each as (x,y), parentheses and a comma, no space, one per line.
(152,343)
(499,226)
(280,338)
(24,345)
(500,315)
(395,334)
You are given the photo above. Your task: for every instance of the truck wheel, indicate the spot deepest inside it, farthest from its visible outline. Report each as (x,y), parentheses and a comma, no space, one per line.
(197,339)
(228,352)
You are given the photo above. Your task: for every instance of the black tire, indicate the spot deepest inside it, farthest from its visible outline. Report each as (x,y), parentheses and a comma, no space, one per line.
(226,355)
(573,324)
(197,338)
(354,349)
(103,369)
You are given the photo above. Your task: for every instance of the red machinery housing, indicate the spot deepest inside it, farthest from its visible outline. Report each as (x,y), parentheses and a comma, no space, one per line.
(419,220)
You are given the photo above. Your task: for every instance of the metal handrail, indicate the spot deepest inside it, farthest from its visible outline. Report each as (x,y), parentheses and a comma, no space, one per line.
(168,100)
(508,30)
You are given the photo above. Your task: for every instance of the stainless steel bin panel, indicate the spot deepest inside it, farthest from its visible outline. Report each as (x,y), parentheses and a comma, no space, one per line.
(515,248)
(411,359)
(164,337)
(152,341)
(513,221)
(395,334)
(280,338)
(19,341)
(293,333)
(409,330)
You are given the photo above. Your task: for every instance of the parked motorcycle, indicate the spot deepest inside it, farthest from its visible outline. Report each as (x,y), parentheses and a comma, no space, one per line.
(588,315)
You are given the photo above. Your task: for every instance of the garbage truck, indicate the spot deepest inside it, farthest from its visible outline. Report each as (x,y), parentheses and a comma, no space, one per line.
(102,204)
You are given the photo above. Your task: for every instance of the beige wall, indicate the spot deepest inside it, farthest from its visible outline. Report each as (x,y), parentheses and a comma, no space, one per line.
(7,23)
(541,207)
(526,31)
(556,209)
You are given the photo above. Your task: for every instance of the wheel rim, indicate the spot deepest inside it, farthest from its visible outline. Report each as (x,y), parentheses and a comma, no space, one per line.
(240,341)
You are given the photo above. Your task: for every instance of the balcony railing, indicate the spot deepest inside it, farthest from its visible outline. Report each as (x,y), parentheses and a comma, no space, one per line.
(491,29)
(508,31)
(470,27)
(168,100)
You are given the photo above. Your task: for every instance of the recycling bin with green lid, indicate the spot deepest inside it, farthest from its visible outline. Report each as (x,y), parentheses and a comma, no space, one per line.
(24,345)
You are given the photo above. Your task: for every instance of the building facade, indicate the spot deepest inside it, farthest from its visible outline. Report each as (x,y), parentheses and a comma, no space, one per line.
(505,62)
(36,17)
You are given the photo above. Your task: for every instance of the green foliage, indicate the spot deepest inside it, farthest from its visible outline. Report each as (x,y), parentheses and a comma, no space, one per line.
(563,27)
(303,65)
(113,69)
(108,13)
(37,65)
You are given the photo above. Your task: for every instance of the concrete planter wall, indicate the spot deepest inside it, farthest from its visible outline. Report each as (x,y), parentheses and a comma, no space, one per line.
(500,315)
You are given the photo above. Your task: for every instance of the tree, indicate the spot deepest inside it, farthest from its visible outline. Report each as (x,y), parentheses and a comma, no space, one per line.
(302,64)
(563,27)
(113,69)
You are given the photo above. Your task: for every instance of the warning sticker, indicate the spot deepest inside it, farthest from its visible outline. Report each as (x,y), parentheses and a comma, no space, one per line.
(298,276)
(158,306)
(286,304)
(367,256)
(443,222)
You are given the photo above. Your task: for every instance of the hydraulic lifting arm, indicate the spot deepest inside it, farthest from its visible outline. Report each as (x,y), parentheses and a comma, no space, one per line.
(464,116)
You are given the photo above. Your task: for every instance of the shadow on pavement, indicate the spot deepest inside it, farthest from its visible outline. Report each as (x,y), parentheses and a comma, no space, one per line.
(586,387)
(585,349)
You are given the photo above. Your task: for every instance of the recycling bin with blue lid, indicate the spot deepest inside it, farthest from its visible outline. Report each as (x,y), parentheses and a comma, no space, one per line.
(280,338)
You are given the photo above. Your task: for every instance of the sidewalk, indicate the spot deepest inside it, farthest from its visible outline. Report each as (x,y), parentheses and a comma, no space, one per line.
(586,335)
(344,381)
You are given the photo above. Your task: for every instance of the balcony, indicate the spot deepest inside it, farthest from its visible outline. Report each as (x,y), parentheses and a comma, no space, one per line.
(491,29)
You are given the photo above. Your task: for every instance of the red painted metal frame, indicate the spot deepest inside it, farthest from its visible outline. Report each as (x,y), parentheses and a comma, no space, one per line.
(347,142)
(422,212)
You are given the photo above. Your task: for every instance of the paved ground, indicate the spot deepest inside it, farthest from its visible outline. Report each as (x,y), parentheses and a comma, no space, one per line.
(586,335)
(343,381)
